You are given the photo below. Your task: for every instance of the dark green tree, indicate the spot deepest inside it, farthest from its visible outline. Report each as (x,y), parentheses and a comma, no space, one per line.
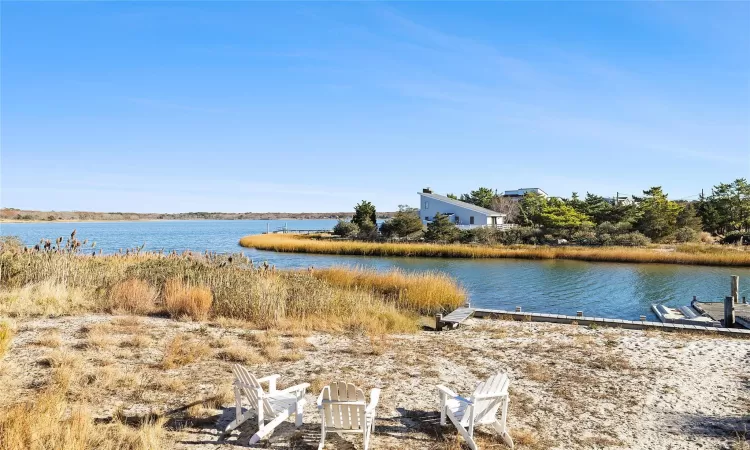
(405,222)
(658,214)
(556,214)
(441,229)
(531,207)
(689,218)
(365,215)
(481,197)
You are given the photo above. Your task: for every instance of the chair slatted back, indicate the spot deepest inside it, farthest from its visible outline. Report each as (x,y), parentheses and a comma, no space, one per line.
(245,377)
(344,406)
(485,410)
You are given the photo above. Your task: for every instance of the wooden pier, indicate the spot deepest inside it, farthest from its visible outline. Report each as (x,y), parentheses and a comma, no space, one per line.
(460,315)
(715,310)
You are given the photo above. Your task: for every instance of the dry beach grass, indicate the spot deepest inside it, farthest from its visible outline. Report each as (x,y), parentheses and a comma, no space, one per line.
(684,254)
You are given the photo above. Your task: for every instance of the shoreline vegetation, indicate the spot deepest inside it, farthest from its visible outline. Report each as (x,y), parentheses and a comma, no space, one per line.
(689,254)
(14,215)
(58,279)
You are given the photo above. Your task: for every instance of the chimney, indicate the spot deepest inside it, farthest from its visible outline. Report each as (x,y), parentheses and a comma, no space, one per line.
(427,190)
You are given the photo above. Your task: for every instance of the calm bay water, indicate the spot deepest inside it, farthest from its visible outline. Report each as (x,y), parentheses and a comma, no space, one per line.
(616,290)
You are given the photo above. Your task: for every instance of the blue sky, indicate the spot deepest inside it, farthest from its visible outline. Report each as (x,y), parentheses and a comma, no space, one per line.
(246,106)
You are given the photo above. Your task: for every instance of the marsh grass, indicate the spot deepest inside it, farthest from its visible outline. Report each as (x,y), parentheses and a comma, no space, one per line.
(684,254)
(132,296)
(52,284)
(423,292)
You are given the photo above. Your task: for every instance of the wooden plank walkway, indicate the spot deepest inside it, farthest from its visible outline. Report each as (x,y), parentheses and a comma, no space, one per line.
(716,310)
(462,314)
(459,315)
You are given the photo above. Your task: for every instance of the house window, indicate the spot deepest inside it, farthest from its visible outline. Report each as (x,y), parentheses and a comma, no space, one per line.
(426,218)
(458,221)
(471,220)
(426,205)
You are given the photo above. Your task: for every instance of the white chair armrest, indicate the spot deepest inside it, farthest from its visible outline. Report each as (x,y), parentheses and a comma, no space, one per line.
(271,380)
(444,390)
(268,378)
(297,388)
(374,397)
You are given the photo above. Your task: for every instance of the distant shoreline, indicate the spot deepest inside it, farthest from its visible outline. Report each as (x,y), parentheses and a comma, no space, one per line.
(10,215)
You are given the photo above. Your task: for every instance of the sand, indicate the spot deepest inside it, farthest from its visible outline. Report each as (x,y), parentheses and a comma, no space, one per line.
(572,387)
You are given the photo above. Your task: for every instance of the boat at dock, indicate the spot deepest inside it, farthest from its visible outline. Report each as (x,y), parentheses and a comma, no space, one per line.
(686,315)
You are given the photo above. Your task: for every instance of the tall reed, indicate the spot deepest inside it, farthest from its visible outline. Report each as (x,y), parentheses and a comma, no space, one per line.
(370,302)
(680,255)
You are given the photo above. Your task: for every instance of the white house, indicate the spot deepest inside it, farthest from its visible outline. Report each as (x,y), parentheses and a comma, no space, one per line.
(463,214)
(519,193)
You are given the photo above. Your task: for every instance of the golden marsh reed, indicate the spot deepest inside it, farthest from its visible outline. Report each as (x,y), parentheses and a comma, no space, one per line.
(40,283)
(695,255)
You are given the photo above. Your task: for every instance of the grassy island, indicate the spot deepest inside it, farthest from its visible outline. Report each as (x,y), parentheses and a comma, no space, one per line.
(696,254)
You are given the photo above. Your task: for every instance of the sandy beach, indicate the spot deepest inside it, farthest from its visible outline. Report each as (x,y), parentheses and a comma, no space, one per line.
(571,387)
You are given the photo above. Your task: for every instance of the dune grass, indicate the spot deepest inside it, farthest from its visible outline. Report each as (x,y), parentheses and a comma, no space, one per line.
(201,288)
(715,256)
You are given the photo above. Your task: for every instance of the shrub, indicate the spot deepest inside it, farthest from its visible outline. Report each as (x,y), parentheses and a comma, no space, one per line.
(367,231)
(606,228)
(132,296)
(706,238)
(584,238)
(183,300)
(686,234)
(634,239)
(519,235)
(346,229)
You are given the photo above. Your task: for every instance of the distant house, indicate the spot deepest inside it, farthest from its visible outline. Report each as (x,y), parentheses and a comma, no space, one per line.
(519,193)
(465,215)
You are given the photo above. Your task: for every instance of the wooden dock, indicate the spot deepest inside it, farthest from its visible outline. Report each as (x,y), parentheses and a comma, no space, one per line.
(716,311)
(460,315)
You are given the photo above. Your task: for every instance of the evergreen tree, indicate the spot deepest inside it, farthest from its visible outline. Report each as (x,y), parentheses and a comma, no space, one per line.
(364,215)
(441,229)
(659,215)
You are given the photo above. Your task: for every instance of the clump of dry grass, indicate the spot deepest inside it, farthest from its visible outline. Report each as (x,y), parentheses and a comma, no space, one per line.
(422,292)
(302,244)
(181,351)
(6,336)
(182,300)
(132,296)
(49,421)
(45,298)
(49,338)
(239,355)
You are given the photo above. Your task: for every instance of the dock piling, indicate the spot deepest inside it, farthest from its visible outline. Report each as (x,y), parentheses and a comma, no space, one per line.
(735,288)
(728,312)
(438,322)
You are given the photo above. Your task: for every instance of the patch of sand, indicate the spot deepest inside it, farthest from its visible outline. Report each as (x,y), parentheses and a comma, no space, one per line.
(571,387)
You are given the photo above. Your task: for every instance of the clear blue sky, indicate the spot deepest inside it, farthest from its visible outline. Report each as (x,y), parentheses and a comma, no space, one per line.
(245,106)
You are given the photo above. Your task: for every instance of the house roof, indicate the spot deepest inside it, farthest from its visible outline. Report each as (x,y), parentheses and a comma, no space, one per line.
(479,209)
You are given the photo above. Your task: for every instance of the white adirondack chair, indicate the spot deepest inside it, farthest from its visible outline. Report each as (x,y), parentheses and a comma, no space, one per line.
(343,409)
(480,409)
(273,405)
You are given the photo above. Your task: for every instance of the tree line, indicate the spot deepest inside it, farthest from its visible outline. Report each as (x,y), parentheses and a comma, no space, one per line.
(723,214)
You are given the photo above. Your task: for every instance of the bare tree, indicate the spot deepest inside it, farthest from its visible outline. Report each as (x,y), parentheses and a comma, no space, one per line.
(507,206)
